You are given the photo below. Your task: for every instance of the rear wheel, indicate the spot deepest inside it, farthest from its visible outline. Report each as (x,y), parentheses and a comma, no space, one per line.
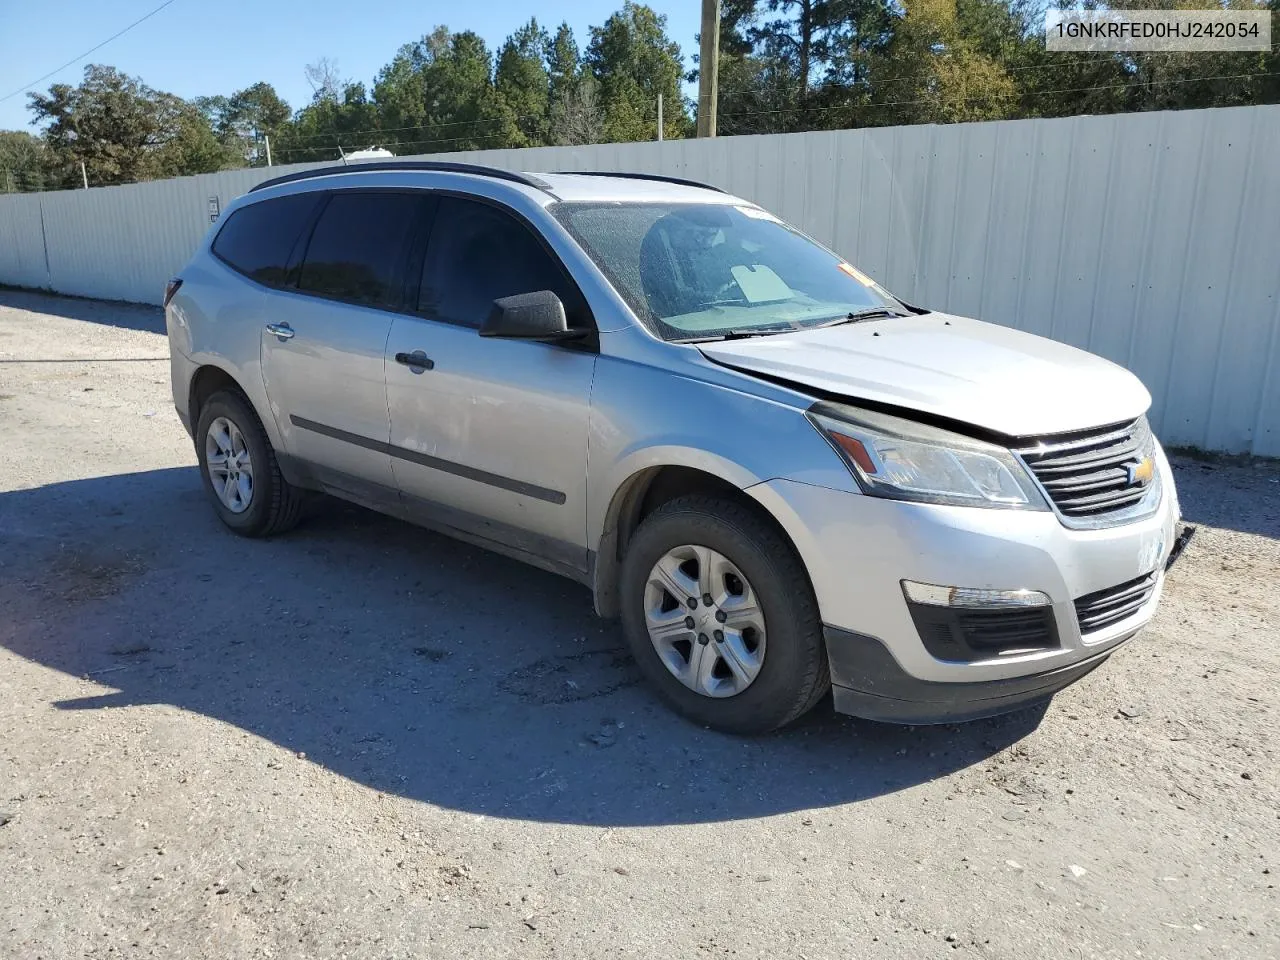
(721,617)
(240,471)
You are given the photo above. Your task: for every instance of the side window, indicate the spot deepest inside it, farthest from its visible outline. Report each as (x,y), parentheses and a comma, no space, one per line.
(478,254)
(359,246)
(256,240)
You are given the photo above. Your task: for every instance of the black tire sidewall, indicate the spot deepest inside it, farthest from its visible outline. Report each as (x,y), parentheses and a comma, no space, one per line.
(794,648)
(257,518)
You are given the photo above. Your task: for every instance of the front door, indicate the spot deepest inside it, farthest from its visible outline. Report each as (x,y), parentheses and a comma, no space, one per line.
(323,354)
(494,431)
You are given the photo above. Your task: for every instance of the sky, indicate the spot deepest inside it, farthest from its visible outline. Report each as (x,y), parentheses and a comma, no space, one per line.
(195,47)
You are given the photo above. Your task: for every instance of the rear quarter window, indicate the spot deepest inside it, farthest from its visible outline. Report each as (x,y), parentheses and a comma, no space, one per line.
(257,240)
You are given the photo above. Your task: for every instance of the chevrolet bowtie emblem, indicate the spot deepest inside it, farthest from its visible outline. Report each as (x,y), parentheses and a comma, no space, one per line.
(1140,473)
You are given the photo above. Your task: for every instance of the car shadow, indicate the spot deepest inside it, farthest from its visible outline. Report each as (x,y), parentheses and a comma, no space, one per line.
(1232,496)
(109,313)
(410,663)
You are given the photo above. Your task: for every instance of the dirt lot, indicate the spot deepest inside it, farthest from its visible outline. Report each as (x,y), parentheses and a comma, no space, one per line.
(365,740)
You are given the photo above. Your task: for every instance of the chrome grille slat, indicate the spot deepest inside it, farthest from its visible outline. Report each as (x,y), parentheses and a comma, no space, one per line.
(1107,454)
(1100,478)
(1087,476)
(1098,501)
(1101,609)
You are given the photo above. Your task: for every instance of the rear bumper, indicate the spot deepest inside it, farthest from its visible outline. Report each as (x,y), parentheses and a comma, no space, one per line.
(867,682)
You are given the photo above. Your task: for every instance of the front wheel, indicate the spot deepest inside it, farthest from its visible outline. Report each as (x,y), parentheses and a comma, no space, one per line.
(721,618)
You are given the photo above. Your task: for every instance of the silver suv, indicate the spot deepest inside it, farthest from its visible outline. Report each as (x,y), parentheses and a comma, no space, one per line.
(783,479)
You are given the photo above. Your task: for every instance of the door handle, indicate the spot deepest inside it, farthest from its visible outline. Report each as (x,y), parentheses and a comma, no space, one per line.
(416,361)
(281,331)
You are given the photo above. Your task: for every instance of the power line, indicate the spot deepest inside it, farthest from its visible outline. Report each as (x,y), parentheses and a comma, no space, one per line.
(28,86)
(377,132)
(1012,93)
(873,81)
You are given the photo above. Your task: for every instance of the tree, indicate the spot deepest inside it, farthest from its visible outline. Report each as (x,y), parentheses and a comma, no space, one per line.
(256,112)
(634,60)
(564,65)
(438,94)
(576,118)
(934,71)
(123,131)
(324,78)
(244,119)
(800,38)
(22,159)
(758,91)
(522,82)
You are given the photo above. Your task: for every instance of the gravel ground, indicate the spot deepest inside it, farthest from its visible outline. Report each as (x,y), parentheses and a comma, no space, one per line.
(365,740)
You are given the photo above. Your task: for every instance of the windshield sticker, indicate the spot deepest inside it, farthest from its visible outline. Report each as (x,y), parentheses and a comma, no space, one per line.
(759,284)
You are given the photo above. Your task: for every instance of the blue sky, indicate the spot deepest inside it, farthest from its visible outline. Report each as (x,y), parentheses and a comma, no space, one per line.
(196,47)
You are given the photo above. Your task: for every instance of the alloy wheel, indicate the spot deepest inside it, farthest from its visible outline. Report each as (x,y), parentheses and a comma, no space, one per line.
(229,464)
(704,621)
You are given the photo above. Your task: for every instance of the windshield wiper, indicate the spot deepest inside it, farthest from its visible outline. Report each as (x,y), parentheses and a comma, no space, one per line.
(743,333)
(858,316)
(740,333)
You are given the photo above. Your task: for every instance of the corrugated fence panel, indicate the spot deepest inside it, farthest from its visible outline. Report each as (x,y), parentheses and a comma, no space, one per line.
(1150,239)
(22,256)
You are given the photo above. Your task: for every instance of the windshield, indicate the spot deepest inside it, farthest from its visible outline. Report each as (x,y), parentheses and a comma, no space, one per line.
(701,270)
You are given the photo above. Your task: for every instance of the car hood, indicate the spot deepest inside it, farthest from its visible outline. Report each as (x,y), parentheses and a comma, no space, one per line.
(992,377)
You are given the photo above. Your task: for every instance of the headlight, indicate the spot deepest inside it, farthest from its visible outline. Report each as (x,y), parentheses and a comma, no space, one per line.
(903,460)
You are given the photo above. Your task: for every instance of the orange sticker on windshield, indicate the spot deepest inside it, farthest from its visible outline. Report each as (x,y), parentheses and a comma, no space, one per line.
(857,274)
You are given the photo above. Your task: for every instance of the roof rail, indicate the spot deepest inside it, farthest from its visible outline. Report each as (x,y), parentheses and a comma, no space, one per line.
(432,166)
(643,176)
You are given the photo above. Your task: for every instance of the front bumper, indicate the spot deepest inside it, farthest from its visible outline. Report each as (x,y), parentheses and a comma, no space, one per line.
(875,687)
(858,549)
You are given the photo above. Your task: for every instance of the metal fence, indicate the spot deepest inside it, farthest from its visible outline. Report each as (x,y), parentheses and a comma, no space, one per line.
(1152,239)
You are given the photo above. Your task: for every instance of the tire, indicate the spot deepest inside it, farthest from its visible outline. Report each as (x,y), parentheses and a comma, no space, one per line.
(793,674)
(273,504)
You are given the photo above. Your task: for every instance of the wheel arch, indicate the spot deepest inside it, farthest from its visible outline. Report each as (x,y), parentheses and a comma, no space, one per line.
(210,377)
(642,492)
(205,382)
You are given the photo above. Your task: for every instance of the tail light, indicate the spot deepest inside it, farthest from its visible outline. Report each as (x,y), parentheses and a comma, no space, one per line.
(170,289)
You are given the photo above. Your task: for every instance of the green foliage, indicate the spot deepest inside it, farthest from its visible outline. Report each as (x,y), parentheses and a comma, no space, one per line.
(633,60)
(784,65)
(22,162)
(244,120)
(123,131)
(522,82)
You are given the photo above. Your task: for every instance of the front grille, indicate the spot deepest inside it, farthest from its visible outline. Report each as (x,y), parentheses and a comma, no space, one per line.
(1098,610)
(959,633)
(1088,475)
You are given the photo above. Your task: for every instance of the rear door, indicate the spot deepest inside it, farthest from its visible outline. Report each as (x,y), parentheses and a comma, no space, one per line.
(494,429)
(322,358)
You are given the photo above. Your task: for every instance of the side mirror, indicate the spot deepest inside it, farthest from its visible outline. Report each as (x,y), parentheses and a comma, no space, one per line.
(529,316)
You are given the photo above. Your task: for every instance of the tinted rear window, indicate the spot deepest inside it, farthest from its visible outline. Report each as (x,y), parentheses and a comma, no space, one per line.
(257,239)
(358,248)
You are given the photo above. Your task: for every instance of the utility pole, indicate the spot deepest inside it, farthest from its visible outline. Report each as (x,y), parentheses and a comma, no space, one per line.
(84,175)
(709,68)
(267,141)
(659,118)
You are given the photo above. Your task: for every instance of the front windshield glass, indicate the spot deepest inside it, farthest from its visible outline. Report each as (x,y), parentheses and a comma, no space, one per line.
(701,270)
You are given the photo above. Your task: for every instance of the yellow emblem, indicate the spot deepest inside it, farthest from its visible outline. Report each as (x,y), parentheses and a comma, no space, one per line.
(1140,473)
